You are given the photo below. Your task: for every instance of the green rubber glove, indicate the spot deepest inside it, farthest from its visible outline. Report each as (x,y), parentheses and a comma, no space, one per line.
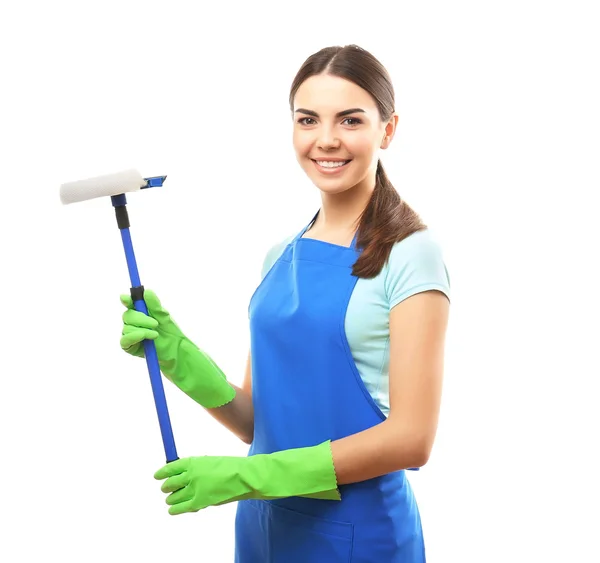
(198,482)
(180,360)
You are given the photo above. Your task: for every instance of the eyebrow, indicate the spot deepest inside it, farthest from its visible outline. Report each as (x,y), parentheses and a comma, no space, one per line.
(338,114)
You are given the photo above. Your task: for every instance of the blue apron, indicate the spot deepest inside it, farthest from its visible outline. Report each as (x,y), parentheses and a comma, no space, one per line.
(306,389)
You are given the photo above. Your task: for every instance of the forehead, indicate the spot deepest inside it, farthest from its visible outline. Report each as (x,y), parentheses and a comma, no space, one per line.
(330,94)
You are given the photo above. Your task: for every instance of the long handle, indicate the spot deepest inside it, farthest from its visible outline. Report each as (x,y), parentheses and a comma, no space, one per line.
(137,294)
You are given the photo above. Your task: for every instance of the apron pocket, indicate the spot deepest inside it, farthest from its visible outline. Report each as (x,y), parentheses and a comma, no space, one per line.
(300,538)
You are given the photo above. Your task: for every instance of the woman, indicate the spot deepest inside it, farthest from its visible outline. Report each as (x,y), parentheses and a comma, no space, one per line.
(343,381)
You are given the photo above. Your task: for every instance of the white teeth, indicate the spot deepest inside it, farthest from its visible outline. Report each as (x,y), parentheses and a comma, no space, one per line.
(331,164)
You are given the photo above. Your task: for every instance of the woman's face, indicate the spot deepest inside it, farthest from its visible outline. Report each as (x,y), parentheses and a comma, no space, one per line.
(338,133)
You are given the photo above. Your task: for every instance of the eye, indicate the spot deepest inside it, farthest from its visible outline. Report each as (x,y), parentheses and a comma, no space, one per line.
(353,121)
(303,120)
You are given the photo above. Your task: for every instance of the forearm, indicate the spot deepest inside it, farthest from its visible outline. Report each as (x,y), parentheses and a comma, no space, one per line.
(377,451)
(237,415)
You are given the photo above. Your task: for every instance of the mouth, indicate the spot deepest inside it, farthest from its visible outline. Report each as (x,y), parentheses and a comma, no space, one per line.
(334,166)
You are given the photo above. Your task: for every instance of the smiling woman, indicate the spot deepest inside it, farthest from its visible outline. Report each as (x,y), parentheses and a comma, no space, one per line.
(347,327)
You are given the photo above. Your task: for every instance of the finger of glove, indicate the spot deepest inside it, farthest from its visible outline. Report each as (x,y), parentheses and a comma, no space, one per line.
(178,467)
(136,350)
(175,483)
(181,496)
(156,309)
(138,319)
(187,506)
(150,298)
(133,335)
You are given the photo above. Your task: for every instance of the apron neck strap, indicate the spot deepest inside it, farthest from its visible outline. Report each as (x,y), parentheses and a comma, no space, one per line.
(310,224)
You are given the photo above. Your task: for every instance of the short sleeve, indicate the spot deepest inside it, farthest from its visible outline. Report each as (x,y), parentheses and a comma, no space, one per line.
(416,264)
(272,255)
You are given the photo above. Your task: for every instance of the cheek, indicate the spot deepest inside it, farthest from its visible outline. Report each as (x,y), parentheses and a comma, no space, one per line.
(360,146)
(301,143)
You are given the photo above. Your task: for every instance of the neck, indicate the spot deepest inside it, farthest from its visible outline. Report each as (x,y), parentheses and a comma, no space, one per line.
(342,211)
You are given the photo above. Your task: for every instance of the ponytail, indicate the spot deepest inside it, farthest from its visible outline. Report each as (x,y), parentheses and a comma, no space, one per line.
(386,220)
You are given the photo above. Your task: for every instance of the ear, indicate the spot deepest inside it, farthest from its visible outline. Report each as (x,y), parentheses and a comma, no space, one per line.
(390,130)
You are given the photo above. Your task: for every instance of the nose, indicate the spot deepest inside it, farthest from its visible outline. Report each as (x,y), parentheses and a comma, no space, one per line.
(326,139)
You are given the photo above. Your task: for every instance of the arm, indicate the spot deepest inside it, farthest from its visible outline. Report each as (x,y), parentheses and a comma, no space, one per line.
(417,337)
(238,415)
(404,440)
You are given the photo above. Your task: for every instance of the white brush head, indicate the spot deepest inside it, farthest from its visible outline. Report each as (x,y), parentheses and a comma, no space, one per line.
(102,186)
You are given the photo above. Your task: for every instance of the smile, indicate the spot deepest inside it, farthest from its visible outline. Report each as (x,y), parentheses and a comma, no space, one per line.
(330,166)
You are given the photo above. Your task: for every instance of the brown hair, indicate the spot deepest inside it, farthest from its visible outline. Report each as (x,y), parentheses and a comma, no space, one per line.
(386,219)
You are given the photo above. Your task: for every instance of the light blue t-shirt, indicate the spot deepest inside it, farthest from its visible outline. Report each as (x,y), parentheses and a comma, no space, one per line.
(415,265)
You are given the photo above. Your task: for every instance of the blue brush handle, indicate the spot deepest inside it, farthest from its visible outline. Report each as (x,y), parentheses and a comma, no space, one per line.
(119,202)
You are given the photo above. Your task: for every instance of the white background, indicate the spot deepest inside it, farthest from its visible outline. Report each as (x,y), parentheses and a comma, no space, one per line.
(497,148)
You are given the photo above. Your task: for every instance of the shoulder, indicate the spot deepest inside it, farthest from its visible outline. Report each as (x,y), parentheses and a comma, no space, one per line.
(273,253)
(419,246)
(416,264)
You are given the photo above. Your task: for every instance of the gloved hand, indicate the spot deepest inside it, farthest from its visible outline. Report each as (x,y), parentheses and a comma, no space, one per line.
(198,482)
(180,360)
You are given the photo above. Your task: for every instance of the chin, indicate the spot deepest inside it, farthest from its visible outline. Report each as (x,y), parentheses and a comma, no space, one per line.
(333,188)
(331,185)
